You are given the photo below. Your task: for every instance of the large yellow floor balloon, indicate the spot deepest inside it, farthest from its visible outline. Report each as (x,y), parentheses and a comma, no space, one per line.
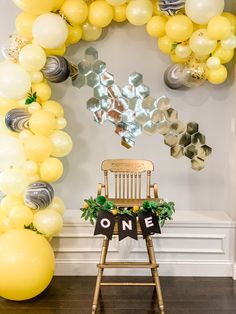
(35,6)
(26,264)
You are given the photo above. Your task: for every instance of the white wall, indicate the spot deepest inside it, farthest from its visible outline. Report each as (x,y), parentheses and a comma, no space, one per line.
(126,49)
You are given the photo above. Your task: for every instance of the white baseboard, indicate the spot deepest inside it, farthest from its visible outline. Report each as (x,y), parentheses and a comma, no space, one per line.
(199,243)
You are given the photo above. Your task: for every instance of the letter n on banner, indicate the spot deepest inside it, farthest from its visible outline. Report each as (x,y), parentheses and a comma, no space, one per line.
(127,227)
(149,224)
(105,224)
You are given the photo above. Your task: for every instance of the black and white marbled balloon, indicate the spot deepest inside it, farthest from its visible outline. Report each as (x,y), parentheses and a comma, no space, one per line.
(38,195)
(171,7)
(17,120)
(56,69)
(173,76)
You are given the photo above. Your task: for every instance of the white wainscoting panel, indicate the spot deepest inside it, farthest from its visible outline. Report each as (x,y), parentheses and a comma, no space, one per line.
(195,243)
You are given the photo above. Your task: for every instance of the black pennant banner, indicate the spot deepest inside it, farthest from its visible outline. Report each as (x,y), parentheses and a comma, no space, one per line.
(105,224)
(127,227)
(149,224)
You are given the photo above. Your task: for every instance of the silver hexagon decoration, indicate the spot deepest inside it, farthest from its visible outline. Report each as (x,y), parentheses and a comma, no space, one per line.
(132,110)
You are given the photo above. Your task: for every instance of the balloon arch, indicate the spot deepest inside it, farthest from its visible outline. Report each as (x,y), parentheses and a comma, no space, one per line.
(197,35)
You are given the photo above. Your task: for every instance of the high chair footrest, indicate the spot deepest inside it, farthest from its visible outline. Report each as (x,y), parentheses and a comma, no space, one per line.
(128,284)
(127,265)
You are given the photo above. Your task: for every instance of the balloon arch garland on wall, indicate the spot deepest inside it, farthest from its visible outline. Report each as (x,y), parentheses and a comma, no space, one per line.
(197,35)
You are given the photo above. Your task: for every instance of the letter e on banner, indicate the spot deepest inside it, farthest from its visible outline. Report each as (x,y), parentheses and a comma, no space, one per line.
(149,224)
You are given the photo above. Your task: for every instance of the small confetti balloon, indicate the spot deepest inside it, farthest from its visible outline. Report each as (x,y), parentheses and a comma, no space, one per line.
(194,73)
(56,69)
(17,120)
(38,195)
(171,7)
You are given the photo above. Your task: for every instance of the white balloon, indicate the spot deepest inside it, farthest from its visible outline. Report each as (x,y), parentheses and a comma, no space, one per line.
(14,80)
(50,30)
(11,152)
(229,43)
(201,11)
(213,63)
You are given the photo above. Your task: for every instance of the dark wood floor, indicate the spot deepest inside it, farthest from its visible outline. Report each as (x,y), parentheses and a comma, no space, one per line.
(182,295)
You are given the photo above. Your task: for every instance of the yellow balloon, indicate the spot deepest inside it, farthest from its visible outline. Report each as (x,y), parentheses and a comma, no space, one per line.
(120,13)
(156,27)
(51,170)
(38,148)
(24,23)
(139,12)
(36,77)
(174,58)
(43,91)
(91,32)
(20,216)
(30,167)
(48,222)
(217,76)
(100,13)
(32,58)
(6,105)
(166,44)
(42,123)
(33,107)
(58,205)
(219,28)
(57,4)
(116,3)
(62,144)
(75,11)
(8,202)
(13,181)
(74,34)
(232,19)
(225,55)
(35,6)
(60,51)
(179,28)
(26,264)
(53,107)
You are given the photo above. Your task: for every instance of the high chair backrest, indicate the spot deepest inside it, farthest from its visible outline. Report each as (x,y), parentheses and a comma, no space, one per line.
(128,177)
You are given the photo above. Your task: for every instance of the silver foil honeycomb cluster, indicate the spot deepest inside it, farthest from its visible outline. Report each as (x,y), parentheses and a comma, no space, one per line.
(132,110)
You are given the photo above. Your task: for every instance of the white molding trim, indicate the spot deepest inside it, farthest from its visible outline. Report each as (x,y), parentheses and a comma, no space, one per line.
(195,243)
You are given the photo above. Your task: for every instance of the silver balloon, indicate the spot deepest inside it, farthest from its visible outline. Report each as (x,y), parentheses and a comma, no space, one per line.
(17,120)
(38,195)
(57,69)
(171,7)
(173,77)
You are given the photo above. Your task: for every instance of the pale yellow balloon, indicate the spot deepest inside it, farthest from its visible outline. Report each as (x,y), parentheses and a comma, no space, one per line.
(6,105)
(116,2)
(139,12)
(26,264)
(8,202)
(165,44)
(62,144)
(217,76)
(229,43)
(183,51)
(51,170)
(48,222)
(42,123)
(36,77)
(5,224)
(24,135)
(24,23)
(13,181)
(33,107)
(43,91)
(60,51)
(232,19)
(20,216)
(225,55)
(38,148)
(179,28)
(74,35)
(61,123)
(58,205)
(30,167)
(75,11)
(156,27)
(120,13)
(176,59)
(100,13)
(4,130)
(32,58)
(219,28)
(53,107)
(213,63)
(201,44)
(91,32)
(35,6)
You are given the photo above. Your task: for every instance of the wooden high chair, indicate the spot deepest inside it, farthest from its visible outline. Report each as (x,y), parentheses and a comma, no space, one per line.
(128,175)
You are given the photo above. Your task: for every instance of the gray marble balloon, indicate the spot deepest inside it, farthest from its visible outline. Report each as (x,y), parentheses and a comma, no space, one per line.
(56,69)
(171,7)
(38,195)
(173,77)
(17,120)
